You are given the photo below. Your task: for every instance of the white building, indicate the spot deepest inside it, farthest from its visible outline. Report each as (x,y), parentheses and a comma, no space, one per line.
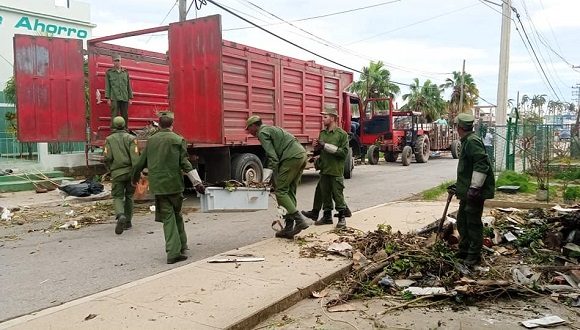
(56,18)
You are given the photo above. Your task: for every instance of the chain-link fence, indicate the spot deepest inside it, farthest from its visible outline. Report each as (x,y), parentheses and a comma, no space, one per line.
(531,148)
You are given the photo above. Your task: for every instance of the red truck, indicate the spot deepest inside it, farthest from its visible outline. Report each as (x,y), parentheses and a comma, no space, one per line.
(212,85)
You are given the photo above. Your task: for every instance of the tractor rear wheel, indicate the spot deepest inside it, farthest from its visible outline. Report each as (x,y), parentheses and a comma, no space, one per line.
(455,149)
(423,147)
(406,155)
(348,164)
(391,156)
(373,155)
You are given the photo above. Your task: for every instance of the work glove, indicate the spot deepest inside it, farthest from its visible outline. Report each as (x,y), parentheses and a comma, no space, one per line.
(474,194)
(452,189)
(200,188)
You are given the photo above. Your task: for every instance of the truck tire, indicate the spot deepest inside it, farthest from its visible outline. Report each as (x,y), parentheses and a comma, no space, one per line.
(246,168)
(348,164)
(406,155)
(373,155)
(423,147)
(391,156)
(455,149)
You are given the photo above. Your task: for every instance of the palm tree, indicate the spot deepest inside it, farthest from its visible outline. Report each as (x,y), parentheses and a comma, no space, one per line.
(538,102)
(470,92)
(375,82)
(524,102)
(426,99)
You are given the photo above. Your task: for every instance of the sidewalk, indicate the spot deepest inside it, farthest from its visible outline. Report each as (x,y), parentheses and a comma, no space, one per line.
(201,295)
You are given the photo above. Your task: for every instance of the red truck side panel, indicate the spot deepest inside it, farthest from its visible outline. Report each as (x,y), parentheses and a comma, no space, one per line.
(217,88)
(195,66)
(149,76)
(49,89)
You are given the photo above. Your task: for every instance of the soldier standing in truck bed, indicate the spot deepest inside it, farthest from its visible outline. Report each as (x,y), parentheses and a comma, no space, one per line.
(118,90)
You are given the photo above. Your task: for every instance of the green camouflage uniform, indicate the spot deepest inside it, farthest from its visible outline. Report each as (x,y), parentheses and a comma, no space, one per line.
(331,167)
(166,159)
(118,90)
(121,154)
(287,158)
(473,161)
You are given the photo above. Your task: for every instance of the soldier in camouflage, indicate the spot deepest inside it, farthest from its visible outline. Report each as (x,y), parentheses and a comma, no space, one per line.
(475,183)
(166,159)
(120,155)
(287,159)
(118,90)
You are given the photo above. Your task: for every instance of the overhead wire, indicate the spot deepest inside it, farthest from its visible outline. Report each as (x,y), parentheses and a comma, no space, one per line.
(346,50)
(320,16)
(536,38)
(280,37)
(411,24)
(537,64)
(164,18)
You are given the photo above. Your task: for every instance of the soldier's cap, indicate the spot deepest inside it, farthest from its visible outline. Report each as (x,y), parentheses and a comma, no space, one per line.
(464,120)
(329,111)
(119,122)
(165,114)
(252,120)
(116,57)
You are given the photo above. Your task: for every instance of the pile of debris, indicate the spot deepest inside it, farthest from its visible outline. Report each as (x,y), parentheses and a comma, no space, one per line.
(526,253)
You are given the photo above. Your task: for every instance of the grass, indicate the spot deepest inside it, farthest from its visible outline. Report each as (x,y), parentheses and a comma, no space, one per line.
(511,178)
(435,192)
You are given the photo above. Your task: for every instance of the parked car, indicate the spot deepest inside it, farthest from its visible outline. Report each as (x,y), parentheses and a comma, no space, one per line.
(565,135)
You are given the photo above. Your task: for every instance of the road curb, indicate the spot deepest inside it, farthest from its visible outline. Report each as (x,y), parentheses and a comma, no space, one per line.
(289,300)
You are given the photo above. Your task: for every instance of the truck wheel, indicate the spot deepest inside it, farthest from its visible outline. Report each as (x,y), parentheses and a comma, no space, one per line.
(391,156)
(406,155)
(373,155)
(246,168)
(455,149)
(348,164)
(423,149)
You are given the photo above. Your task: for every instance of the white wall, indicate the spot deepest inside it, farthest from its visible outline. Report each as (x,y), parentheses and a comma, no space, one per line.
(35,17)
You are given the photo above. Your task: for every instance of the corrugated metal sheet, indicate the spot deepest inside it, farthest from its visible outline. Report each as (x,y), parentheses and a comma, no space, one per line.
(195,51)
(49,89)
(149,74)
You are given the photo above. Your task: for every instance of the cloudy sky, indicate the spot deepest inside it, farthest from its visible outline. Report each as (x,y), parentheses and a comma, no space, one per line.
(425,39)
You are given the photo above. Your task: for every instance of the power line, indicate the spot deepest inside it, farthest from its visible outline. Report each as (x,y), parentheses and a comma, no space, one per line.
(538,35)
(280,37)
(534,52)
(164,18)
(320,16)
(410,25)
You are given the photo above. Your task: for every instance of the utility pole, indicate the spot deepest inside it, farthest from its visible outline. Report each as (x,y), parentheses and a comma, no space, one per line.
(182,10)
(462,88)
(504,60)
(576,92)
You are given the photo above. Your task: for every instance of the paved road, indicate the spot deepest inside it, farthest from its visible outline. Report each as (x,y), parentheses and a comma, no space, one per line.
(42,270)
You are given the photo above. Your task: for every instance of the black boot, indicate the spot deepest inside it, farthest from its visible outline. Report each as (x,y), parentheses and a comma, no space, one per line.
(128,225)
(300,222)
(326,219)
(176,259)
(286,232)
(120,224)
(347,213)
(341,220)
(311,214)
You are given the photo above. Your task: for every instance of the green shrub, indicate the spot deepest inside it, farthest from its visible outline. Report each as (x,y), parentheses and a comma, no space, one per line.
(511,178)
(572,193)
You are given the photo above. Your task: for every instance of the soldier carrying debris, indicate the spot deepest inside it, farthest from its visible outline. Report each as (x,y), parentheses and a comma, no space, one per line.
(475,183)
(332,146)
(121,154)
(287,158)
(166,158)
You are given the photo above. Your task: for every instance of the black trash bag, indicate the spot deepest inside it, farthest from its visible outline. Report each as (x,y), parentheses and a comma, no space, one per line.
(94,187)
(83,189)
(77,189)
